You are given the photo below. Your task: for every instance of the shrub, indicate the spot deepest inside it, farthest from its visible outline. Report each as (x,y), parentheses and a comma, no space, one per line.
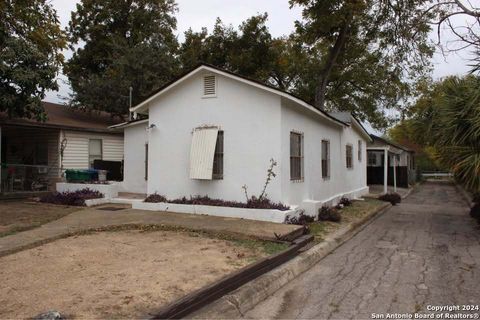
(345,202)
(475,211)
(393,198)
(300,220)
(252,203)
(76,198)
(155,198)
(329,214)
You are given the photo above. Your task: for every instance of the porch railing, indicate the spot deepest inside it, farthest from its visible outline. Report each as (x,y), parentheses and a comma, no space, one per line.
(27,178)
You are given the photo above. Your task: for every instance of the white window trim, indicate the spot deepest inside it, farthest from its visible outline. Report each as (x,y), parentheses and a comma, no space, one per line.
(302,161)
(353,157)
(207,96)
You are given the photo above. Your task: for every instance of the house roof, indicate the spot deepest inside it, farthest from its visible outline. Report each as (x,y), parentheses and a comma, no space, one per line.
(350,119)
(63,117)
(203,66)
(374,137)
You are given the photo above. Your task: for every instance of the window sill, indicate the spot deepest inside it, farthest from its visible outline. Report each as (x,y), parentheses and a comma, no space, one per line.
(297,180)
(326,178)
(209,96)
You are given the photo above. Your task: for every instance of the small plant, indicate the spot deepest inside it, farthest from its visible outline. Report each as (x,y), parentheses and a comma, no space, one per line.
(344,201)
(155,198)
(326,213)
(76,198)
(475,211)
(301,220)
(393,198)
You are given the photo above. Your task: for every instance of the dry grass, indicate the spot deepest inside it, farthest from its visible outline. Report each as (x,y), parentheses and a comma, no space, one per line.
(21,215)
(124,274)
(350,214)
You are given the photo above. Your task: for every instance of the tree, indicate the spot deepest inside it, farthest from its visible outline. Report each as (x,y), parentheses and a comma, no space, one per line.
(448,121)
(128,43)
(384,41)
(30,56)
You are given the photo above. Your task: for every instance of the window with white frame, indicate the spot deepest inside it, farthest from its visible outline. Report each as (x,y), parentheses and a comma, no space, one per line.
(296,156)
(349,156)
(94,151)
(325,159)
(360,150)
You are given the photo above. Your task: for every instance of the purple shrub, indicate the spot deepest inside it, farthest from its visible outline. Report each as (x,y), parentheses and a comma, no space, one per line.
(329,214)
(155,198)
(75,198)
(393,198)
(301,220)
(253,203)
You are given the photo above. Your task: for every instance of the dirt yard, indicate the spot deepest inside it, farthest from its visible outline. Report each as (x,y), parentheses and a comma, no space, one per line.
(21,215)
(122,274)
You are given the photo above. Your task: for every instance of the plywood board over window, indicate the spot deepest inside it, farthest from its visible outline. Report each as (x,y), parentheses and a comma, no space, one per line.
(296,156)
(202,152)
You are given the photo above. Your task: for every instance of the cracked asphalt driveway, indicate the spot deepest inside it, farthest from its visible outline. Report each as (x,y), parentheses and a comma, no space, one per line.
(426,251)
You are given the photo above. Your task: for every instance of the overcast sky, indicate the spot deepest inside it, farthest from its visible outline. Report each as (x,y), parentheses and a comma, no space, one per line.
(197,14)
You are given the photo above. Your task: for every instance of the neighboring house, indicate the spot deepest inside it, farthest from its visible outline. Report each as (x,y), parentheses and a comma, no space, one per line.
(210,132)
(384,154)
(34,154)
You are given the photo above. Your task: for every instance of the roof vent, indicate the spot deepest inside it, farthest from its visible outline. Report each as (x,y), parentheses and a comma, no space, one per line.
(209,86)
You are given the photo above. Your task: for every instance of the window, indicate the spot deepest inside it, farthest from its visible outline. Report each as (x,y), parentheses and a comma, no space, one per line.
(94,151)
(325,159)
(146,161)
(349,156)
(296,156)
(372,159)
(41,153)
(209,86)
(359,150)
(218,157)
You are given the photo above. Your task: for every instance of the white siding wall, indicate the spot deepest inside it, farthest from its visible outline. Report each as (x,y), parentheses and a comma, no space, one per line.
(134,168)
(250,119)
(76,151)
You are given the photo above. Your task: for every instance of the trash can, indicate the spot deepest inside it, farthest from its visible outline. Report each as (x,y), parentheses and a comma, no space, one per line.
(73,175)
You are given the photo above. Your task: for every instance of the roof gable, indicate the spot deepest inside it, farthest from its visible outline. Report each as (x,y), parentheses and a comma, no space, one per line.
(144,105)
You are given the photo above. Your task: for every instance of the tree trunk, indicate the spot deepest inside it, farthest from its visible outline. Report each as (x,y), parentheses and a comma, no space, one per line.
(324,77)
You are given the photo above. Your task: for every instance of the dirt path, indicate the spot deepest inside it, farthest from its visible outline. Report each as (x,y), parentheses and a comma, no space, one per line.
(113,274)
(426,251)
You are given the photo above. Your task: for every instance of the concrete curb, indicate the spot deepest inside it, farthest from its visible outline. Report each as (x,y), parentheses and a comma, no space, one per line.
(235,304)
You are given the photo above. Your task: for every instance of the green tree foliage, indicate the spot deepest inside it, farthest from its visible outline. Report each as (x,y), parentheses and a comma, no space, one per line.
(120,44)
(30,55)
(369,53)
(448,121)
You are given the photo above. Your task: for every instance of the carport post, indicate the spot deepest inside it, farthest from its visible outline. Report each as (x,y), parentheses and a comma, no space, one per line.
(385,171)
(1,159)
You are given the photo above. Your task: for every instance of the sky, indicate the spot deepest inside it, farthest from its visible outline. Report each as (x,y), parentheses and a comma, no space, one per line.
(197,14)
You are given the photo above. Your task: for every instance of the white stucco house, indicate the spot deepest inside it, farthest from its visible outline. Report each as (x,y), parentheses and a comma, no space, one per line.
(211,131)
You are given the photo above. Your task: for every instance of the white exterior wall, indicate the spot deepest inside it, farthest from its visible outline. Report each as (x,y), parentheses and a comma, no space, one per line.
(135,138)
(311,193)
(76,151)
(250,119)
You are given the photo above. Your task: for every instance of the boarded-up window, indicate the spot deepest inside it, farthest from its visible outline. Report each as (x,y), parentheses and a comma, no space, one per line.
(296,156)
(325,159)
(349,156)
(94,151)
(218,157)
(202,152)
(360,150)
